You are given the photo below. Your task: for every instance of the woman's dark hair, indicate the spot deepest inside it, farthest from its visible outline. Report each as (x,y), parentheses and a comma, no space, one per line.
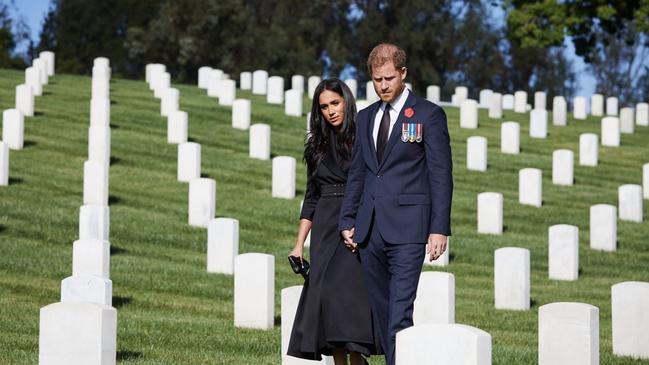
(317,139)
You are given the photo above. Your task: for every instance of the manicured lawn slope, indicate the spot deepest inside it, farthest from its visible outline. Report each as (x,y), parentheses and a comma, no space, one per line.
(171,311)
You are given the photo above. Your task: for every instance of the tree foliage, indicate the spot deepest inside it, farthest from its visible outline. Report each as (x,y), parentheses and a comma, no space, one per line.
(449,42)
(12,32)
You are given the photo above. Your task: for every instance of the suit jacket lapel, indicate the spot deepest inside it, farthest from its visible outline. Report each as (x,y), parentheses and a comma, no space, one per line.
(395,135)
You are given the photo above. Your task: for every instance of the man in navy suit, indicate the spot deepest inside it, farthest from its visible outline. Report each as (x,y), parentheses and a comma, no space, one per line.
(398,193)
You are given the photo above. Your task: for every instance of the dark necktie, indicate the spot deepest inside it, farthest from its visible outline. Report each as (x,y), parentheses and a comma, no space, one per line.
(382,138)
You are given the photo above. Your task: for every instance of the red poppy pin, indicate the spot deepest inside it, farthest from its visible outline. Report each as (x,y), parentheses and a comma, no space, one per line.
(409,113)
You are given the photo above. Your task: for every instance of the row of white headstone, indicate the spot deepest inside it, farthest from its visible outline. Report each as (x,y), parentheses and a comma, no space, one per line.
(82,327)
(13,120)
(496,103)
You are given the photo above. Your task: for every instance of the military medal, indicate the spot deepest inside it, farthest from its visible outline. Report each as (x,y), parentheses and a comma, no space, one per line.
(420,135)
(412,130)
(404,132)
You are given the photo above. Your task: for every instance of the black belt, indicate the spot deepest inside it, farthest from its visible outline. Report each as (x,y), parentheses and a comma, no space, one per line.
(332,190)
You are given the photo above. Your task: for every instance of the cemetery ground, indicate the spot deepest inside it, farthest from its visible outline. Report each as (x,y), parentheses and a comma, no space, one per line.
(171,311)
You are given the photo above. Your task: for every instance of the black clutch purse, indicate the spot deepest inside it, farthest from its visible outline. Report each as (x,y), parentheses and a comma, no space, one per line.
(299,266)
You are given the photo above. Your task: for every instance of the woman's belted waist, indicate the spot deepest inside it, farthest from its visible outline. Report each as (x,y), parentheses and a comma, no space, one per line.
(332,190)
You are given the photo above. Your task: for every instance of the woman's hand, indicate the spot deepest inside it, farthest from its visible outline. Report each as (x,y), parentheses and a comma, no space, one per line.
(297,251)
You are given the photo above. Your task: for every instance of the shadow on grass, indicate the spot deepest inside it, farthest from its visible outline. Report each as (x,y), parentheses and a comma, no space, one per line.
(113,199)
(2,228)
(278,320)
(114,250)
(37,114)
(190,139)
(119,302)
(206,176)
(29,143)
(273,155)
(533,303)
(113,102)
(115,160)
(15,181)
(46,93)
(114,126)
(125,355)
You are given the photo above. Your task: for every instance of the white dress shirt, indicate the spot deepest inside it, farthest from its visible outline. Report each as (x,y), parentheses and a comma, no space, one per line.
(395,109)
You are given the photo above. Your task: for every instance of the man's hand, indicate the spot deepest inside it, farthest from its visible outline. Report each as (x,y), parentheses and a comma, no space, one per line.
(348,239)
(436,246)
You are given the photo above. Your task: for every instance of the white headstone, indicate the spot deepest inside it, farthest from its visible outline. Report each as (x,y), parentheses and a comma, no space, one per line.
(297,82)
(642,114)
(443,344)
(559,111)
(87,288)
(568,334)
(361,104)
(4,164)
(540,100)
(469,114)
(562,167)
(40,65)
(177,127)
(25,100)
(100,85)
(13,128)
(645,180)
(579,108)
(353,87)
(94,222)
(161,82)
(254,291)
(275,91)
(245,80)
(530,187)
(630,203)
(169,101)
(611,106)
(189,161)
(485,98)
(202,201)
(433,94)
(283,177)
(508,102)
(538,123)
(597,105)
(312,84)
(259,82)
(259,144)
(101,62)
(293,103)
(627,123)
(222,245)
(629,312)
(214,83)
(563,248)
(33,79)
(476,153)
(91,257)
(228,92)
(99,144)
(435,301)
(76,333)
(490,213)
(520,102)
(611,131)
(370,92)
(461,94)
(95,183)
(155,69)
(603,227)
(100,112)
(512,278)
(50,60)
(510,138)
(241,114)
(496,106)
(588,149)
(203,77)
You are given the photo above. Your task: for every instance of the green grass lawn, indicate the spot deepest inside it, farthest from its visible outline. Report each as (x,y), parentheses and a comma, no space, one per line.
(171,311)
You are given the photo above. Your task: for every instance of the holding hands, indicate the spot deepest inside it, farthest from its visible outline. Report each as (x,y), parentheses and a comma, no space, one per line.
(348,239)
